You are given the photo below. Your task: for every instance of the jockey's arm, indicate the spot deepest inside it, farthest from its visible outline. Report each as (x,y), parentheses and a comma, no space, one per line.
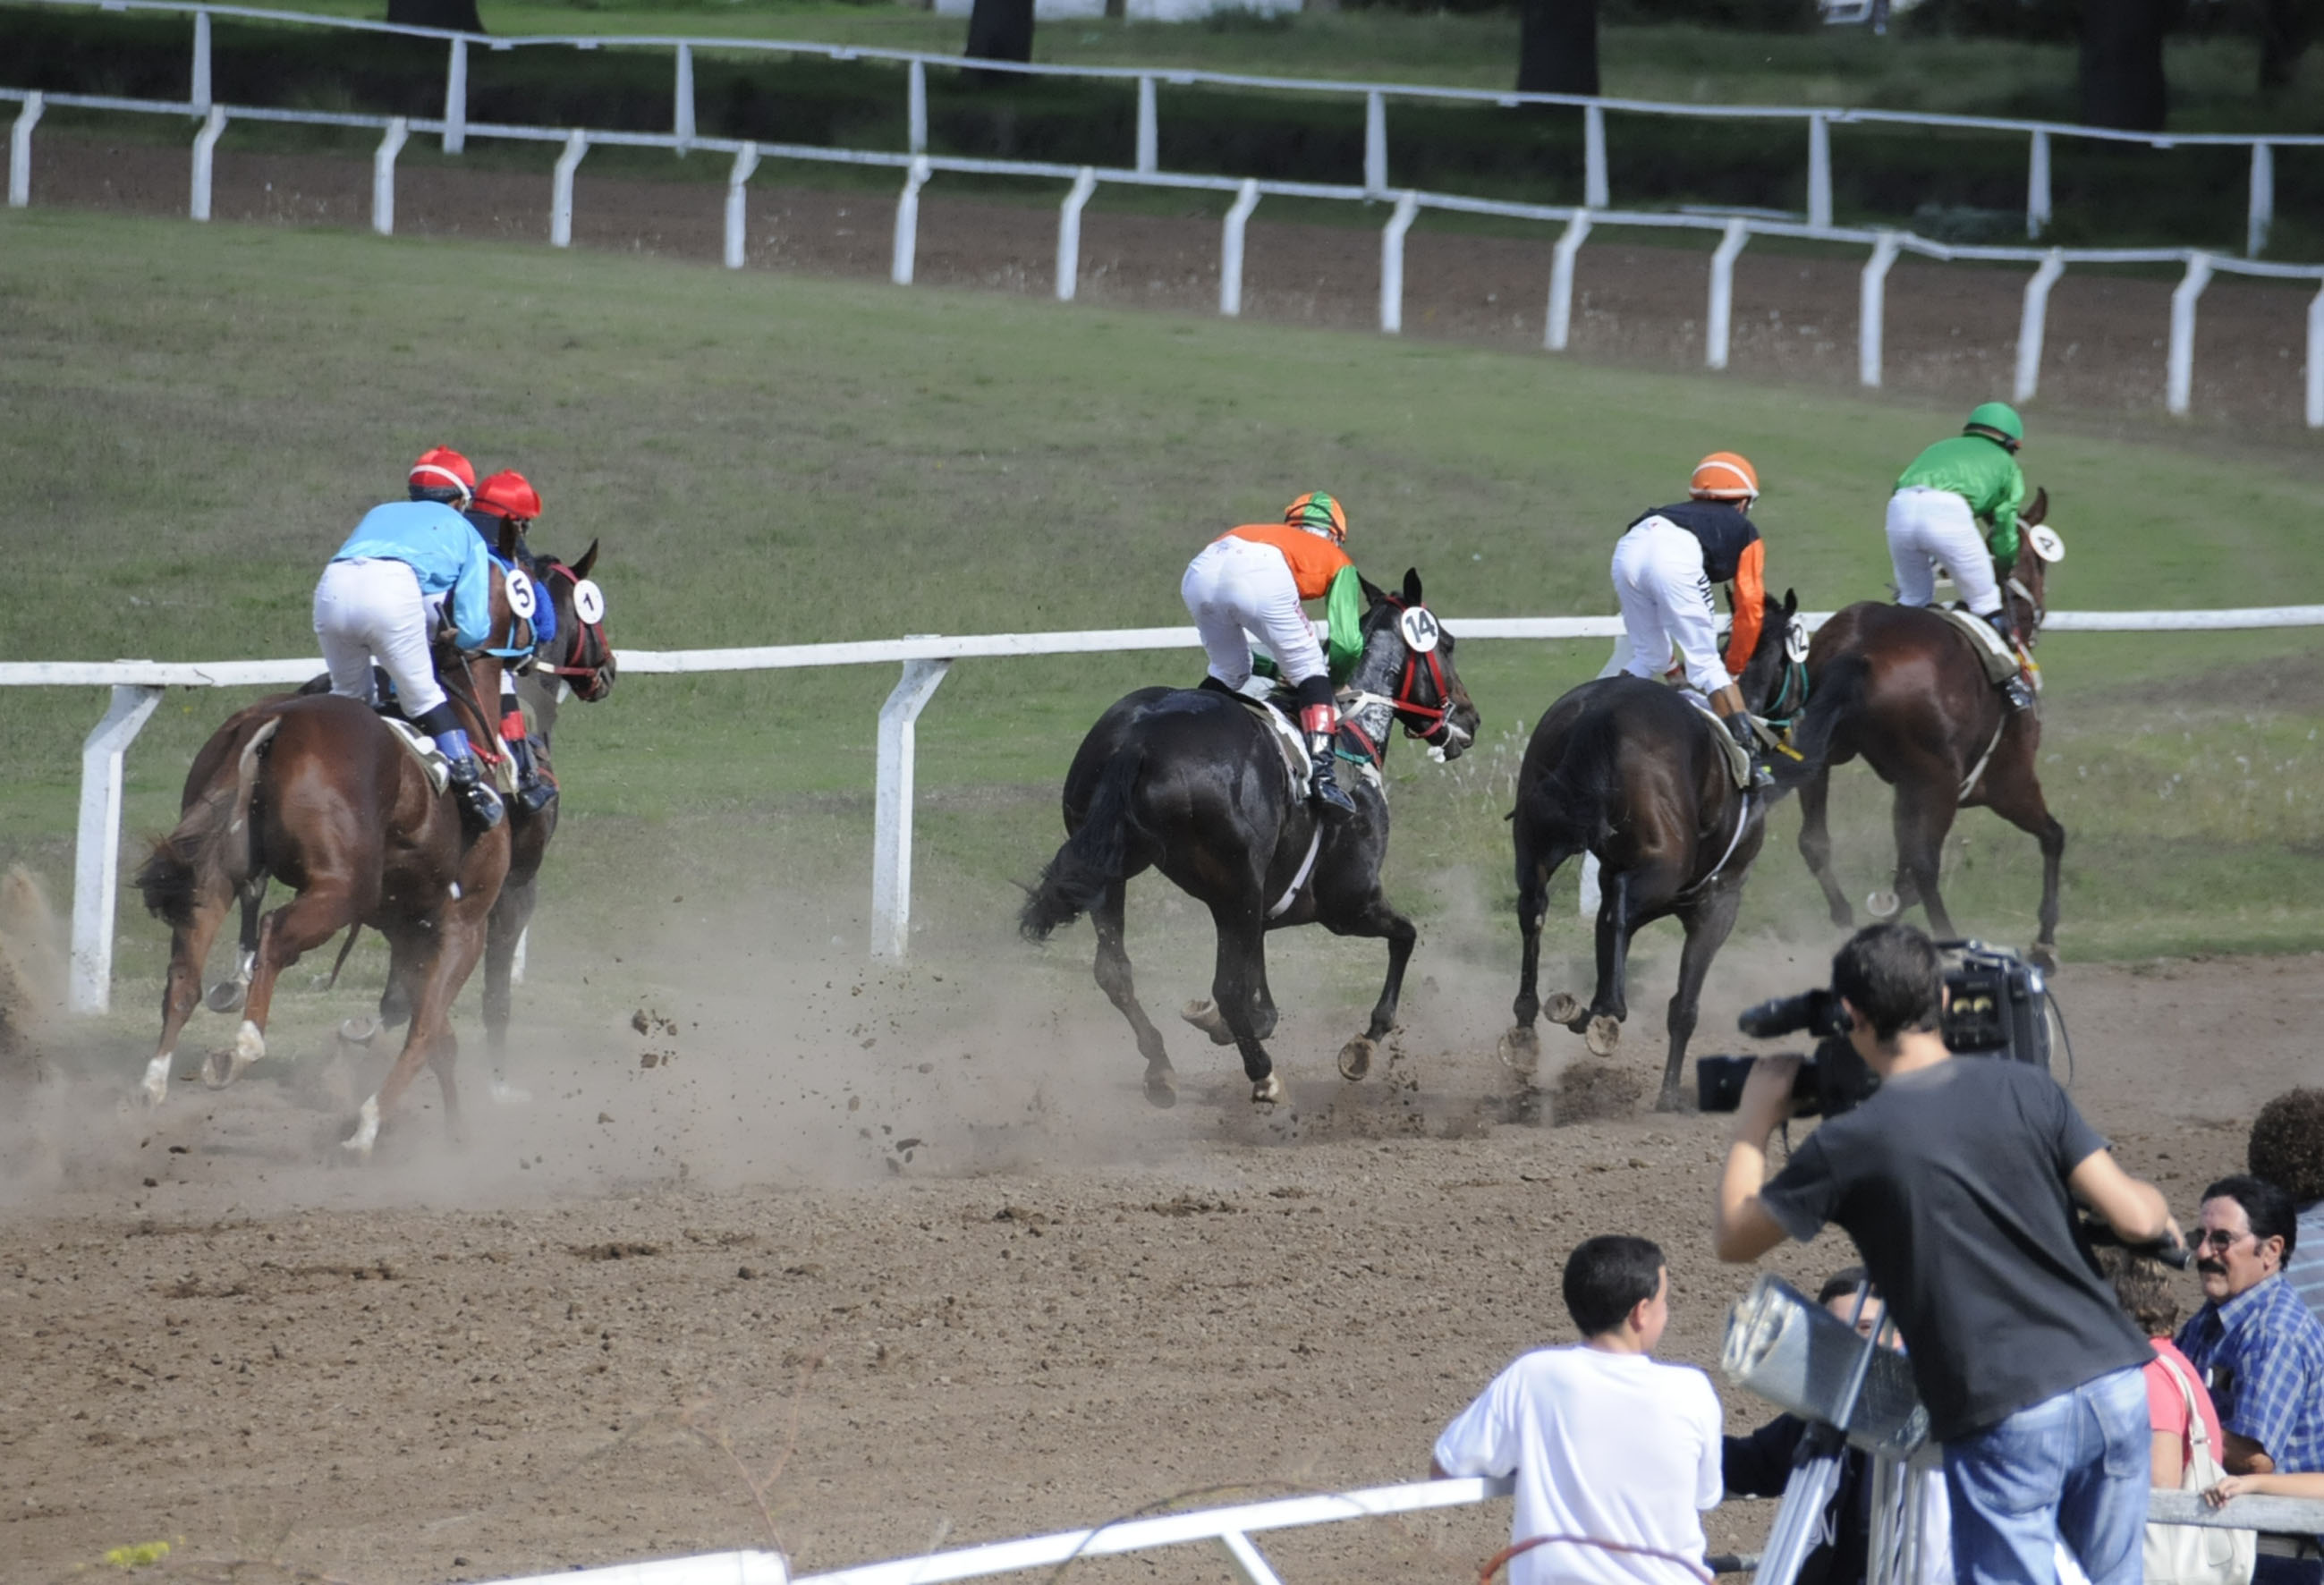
(1343,609)
(2002,539)
(1748,596)
(471,604)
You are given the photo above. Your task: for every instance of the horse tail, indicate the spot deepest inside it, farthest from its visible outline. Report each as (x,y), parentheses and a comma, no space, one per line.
(1839,695)
(1093,858)
(200,858)
(339,963)
(1573,806)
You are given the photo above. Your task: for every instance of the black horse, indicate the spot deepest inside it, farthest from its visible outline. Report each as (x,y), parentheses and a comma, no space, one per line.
(1628,770)
(1188,781)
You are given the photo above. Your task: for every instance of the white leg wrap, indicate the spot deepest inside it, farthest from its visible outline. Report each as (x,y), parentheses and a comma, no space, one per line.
(156,1087)
(249,1045)
(366,1132)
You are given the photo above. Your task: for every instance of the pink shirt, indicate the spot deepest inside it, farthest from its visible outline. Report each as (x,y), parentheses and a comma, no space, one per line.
(2166,1409)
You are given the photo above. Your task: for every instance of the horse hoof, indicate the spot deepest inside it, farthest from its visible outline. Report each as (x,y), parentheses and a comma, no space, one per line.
(1563,1009)
(1268,1090)
(1884,905)
(219,1069)
(1670,1099)
(1356,1058)
(1205,1016)
(1520,1050)
(2043,955)
(155,1088)
(249,1045)
(504,1094)
(366,1134)
(359,1031)
(225,996)
(1160,1092)
(1604,1036)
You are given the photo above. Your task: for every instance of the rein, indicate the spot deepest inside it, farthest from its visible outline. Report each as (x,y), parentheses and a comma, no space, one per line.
(1793,694)
(595,630)
(1404,704)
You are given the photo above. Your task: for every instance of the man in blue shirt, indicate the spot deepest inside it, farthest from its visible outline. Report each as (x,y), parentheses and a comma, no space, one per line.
(2260,1353)
(408,564)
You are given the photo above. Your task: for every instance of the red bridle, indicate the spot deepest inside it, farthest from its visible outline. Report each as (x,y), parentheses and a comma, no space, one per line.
(1434,721)
(595,630)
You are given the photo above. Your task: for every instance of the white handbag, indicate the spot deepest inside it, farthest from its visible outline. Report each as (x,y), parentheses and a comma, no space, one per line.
(2190,1554)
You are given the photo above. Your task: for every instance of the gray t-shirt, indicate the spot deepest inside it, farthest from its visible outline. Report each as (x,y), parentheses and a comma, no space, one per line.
(1952,1181)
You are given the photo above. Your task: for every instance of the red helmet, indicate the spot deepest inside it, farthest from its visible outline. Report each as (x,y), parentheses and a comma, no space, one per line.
(509,494)
(441,470)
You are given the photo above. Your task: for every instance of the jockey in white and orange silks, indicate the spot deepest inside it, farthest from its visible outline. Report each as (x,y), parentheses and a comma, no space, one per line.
(1249,583)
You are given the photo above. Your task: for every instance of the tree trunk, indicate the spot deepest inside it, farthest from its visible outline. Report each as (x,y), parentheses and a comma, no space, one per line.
(1557,47)
(2123,85)
(1000,29)
(459,15)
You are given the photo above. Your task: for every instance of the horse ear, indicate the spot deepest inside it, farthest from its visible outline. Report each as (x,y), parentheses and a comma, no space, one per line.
(1373,592)
(1412,585)
(508,540)
(2039,510)
(1791,604)
(588,559)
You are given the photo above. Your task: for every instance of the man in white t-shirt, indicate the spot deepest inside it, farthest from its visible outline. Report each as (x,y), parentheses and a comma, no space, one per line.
(1615,1453)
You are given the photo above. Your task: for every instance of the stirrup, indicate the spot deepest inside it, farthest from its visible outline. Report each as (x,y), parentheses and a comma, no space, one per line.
(1323,789)
(533,796)
(2019,694)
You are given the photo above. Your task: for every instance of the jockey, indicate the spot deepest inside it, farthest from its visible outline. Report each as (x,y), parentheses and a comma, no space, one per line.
(1664,568)
(408,565)
(1250,581)
(1932,519)
(509,497)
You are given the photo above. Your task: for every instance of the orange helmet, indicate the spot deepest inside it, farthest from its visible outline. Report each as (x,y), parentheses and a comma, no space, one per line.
(1724,475)
(442,473)
(1319,513)
(509,494)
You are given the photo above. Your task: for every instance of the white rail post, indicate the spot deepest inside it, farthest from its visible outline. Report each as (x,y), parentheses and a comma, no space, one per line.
(1376,144)
(682,102)
(1407,209)
(1149,129)
(382,176)
(1246,1562)
(892,836)
(2316,361)
(1557,329)
(205,151)
(1230,249)
(1820,170)
(2033,324)
(202,83)
(456,98)
(1722,294)
(560,202)
(2037,184)
(908,223)
(1872,311)
(2180,374)
(2262,200)
(1593,158)
(1069,234)
(20,149)
(746,160)
(97,850)
(916,107)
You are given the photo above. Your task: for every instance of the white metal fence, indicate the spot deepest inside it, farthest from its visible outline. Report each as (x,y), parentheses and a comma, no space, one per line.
(137,687)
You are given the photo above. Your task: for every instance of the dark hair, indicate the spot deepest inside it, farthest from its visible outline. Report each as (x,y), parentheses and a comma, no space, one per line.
(2287,1144)
(442,494)
(2141,1289)
(2267,1207)
(1845,1281)
(1608,1276)
(1892,974)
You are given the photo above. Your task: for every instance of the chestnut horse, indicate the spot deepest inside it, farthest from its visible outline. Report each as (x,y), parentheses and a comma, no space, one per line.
(1900,688)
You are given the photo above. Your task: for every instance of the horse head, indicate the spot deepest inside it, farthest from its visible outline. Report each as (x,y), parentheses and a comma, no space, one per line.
(1406,673)
(1774,682)
(585,656)
(2027,587)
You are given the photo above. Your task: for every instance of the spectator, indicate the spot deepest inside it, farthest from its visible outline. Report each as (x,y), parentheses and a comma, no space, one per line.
(1956,1181)
(1615,1452)
(2260,1353)
(2287,1149)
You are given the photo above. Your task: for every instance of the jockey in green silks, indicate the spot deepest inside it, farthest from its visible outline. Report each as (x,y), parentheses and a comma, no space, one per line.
(1934,513)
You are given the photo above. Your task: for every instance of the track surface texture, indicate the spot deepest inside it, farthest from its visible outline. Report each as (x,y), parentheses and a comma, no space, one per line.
(1951,329)
(911,1257)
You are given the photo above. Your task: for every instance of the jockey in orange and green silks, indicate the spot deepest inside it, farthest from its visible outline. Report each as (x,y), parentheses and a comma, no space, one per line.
(1934,518)
(1248,582)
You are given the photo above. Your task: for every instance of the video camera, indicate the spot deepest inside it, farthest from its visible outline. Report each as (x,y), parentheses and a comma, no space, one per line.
(1997,1004)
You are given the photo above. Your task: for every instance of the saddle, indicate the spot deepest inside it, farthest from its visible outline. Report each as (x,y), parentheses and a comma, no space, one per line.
(422,748)
(2000,659)
(1739,762)
(501,768)
(1288,739)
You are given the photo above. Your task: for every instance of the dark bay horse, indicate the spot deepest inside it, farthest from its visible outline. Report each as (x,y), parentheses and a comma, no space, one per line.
(1900,688)
(1186,781)
(1628,770)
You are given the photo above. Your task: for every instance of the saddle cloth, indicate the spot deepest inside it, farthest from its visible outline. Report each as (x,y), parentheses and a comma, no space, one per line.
(2000,658)
(1288,739)
(1739,762)
(422,748)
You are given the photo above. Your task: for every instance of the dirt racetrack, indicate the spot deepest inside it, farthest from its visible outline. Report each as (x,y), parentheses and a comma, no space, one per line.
(1949,330)
(907,1251)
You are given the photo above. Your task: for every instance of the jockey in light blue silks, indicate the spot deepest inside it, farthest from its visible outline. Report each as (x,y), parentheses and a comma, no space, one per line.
(409,564)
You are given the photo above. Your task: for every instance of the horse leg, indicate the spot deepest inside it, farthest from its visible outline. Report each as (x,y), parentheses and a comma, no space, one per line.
(1373,917)
(1923,816)
(1707,925)
(1238,983)
(305,922)
(2021,803)
(1113,977)
(506,927)
(1815,844)
(457,944)
(189,949)
(227,995)
(1520,1048)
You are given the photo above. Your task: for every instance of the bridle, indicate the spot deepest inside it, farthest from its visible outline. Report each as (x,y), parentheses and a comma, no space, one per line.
(1431,724)
(574,649)
(2019,591)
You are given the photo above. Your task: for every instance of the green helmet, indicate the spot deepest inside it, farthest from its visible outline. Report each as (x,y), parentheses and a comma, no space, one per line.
(1998,418)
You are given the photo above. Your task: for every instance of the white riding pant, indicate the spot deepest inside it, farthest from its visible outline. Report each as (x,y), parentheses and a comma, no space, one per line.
(1238,591)
(1931,528)
(371,608)
(1665,599)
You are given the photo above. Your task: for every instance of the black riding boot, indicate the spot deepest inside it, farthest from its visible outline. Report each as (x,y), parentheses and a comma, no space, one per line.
(1323,782)
(534,792)
(2017,690)
(1739,726)
(480,806)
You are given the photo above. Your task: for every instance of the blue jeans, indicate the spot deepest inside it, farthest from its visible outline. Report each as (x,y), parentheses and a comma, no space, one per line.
(2074,1469)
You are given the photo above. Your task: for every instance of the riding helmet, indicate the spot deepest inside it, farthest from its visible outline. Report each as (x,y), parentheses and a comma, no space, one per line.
(1724,475)
(1997,420)
(1319,513)
(509,494)
(443,474)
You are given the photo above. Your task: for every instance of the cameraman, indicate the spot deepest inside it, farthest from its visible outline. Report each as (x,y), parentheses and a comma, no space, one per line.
(1956,1182)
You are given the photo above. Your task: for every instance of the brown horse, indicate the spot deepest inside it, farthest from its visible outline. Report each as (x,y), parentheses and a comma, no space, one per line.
(316,791)
(1900,687)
